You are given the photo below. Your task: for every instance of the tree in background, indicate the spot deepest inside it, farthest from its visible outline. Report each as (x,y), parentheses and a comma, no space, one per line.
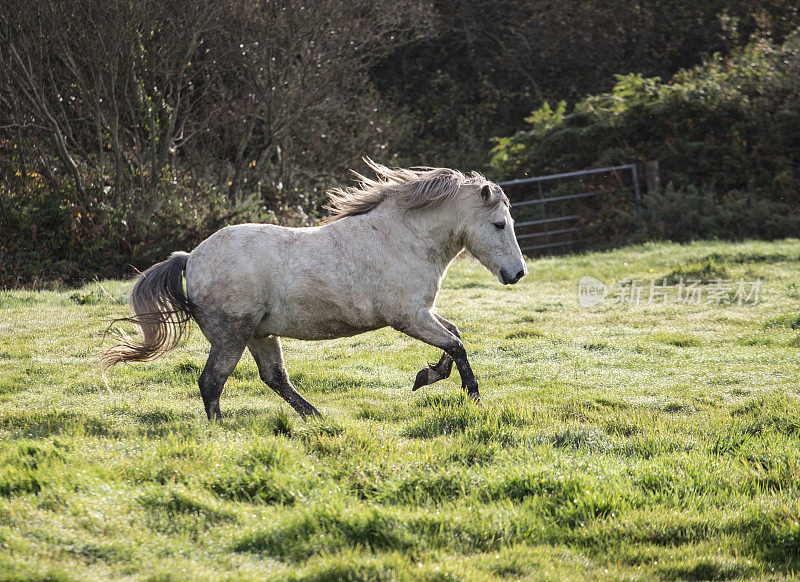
(121,120)
(490,62)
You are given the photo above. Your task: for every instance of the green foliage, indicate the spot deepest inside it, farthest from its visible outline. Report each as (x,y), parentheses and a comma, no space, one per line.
(154,141)
(546,118)
(486,63)
(692,212)
(725,135)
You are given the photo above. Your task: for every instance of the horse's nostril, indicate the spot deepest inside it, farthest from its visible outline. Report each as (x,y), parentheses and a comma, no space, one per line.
(520,275)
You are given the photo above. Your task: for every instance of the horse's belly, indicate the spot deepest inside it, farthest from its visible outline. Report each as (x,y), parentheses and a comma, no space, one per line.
(321,323)
(320,329)
(329,329)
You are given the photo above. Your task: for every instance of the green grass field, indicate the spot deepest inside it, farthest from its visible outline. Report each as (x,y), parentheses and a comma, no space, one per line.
(624,441)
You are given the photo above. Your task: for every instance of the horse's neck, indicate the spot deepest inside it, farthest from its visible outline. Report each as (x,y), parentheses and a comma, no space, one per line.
(431,233)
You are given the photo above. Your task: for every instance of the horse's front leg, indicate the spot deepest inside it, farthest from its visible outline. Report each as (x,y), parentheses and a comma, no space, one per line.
(428,328)
(441,369)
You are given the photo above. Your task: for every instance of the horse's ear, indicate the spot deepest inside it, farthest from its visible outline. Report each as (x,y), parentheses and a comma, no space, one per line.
(486,193)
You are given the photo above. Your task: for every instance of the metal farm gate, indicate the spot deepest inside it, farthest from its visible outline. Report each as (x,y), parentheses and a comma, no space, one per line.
(552,212)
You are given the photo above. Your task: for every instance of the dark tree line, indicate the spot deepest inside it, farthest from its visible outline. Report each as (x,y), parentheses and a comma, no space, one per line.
(488,64)
(124,120)
(128,90)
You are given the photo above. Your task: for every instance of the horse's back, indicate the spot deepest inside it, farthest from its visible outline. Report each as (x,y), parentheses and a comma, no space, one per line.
(306,283)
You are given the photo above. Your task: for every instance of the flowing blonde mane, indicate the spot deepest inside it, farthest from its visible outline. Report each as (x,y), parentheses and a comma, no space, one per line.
(412,188)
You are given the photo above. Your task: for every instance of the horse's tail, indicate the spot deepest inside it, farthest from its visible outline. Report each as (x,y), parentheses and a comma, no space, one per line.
(162,312)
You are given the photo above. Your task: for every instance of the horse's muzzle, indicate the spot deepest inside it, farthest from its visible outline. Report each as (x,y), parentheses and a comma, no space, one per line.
(507,279)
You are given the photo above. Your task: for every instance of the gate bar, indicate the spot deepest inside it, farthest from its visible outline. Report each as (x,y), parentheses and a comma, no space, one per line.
(546,220)
(546,232)
(566,175)
(547,246)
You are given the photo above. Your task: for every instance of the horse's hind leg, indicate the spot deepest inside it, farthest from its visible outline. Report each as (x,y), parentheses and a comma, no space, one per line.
(269,359)
(222,360)
(441,370)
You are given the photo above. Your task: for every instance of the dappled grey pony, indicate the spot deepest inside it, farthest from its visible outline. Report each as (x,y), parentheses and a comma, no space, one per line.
(377,262)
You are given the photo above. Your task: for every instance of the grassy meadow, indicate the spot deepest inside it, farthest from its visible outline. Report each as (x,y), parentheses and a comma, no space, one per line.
(637,442)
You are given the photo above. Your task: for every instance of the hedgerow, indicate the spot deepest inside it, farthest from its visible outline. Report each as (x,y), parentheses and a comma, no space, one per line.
(726,136)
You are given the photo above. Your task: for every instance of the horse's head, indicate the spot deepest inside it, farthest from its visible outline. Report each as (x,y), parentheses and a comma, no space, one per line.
(489,233)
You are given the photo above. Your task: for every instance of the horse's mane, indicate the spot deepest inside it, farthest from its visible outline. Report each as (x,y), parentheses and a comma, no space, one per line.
(411,188)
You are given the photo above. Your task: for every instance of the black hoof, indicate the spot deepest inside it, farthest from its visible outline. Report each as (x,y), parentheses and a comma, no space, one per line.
(422,379)
(307,413)
(471,389)
(213,412)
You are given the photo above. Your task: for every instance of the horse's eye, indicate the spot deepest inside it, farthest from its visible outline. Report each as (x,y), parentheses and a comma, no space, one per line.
(499,225)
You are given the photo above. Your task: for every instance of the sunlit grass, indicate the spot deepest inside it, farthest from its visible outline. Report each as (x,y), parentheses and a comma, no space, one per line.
(639,442)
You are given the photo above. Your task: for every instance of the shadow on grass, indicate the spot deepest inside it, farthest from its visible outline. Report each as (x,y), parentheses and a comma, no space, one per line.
(175,500)
(773,536)
(26,466)
(778,413)
(188,368)
(262,421)
(679,340)
(159,422)
(328,529)
(705,270)
(456,414)
(525,334)
(706,570)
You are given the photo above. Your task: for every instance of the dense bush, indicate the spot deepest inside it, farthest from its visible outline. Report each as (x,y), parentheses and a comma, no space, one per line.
(49,234)
(692,213)
(726,134)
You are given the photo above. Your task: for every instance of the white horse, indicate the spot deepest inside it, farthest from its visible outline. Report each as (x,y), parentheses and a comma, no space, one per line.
(377,262)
